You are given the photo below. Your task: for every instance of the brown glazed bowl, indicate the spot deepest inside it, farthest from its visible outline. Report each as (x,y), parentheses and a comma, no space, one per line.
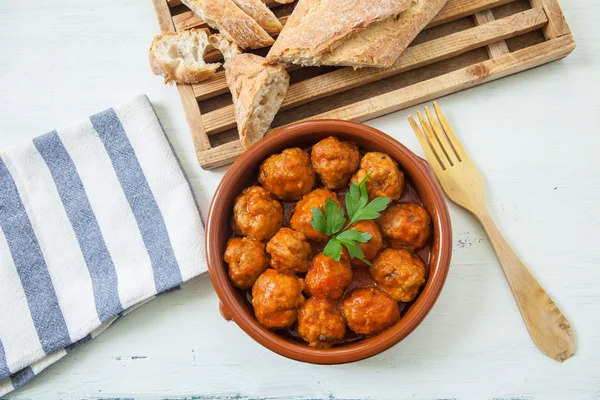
(243,173)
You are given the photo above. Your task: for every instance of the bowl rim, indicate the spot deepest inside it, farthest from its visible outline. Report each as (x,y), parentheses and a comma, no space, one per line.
(232,310)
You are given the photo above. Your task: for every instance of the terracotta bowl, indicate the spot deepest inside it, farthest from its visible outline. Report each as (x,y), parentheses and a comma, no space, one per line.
(243,173)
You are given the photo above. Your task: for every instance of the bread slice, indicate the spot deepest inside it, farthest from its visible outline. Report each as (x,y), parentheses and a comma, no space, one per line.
(258,87)
(179,57)
(378,33)
(261,14)
(232,22)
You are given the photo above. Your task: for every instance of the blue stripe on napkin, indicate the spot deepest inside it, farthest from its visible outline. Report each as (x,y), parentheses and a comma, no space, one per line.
(4,371)
(79,210)
(141,200)
(22,377)
(31,266)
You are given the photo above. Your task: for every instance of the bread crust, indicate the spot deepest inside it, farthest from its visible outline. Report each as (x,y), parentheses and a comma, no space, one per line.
(180,72)
(261,14)
(253,79)
(384,34)
(232,22)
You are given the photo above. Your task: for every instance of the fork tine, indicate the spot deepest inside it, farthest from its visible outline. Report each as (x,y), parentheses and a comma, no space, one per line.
(433,159)
(460,151)
(435,146)
(442,139)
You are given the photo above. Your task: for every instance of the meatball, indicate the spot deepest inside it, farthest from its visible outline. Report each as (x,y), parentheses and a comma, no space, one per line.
(327,277)
(386,180)
(302,215)
(335,162)
(276,297)
(369,311)
(320,323)
(256,214)
(399,273)
(406,225)
(289,251)
(372,247)
(246,259)
(288,175)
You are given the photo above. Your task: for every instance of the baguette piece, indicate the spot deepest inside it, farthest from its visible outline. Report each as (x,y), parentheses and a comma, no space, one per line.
(261,14)
(381,44)
(258,87)
(378,42)
(232,22)
(179,57)
(316,27)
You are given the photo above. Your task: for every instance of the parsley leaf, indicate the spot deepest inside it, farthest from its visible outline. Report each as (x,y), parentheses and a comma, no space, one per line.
(358,236)
(335,217)
(333,249)
(371,210)
(318,220)
(331,223)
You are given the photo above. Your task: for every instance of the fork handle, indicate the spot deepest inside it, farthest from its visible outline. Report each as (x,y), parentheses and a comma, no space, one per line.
(546,324)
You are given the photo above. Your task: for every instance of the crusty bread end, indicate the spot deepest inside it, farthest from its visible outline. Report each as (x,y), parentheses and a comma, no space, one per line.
(179,57)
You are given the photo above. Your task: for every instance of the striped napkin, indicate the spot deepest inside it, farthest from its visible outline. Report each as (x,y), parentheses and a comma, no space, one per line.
(96,218)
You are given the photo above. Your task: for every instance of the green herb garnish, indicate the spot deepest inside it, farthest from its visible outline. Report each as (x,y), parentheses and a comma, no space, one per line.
(333,221)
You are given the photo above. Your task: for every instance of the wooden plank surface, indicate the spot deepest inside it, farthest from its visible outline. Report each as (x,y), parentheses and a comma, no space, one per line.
(424,91)
(414,57)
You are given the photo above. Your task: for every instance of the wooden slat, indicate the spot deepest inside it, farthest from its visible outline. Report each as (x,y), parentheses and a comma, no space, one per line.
(163,14)
(425,91)
(557,24)
(186,92)
(456,9)
(496,49)
(452,11)
(423,54)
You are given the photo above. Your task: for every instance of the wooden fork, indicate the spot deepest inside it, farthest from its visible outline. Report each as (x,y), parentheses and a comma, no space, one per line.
(463,184)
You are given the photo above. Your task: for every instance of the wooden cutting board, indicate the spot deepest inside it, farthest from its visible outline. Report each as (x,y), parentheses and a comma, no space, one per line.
(469,43)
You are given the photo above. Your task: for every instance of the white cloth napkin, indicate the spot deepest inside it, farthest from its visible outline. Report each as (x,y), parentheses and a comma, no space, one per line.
(96,218)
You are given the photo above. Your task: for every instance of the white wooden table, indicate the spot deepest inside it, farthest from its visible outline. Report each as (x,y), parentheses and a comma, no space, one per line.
(65,59)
